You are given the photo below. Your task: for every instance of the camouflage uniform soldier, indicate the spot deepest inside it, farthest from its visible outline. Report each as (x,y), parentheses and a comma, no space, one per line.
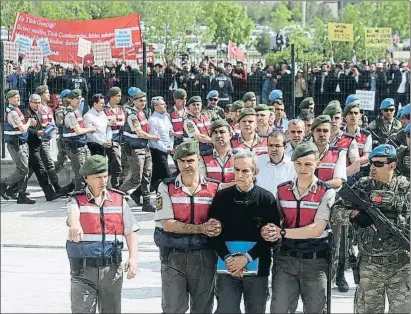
(384,266)
(60,114)
(404,155)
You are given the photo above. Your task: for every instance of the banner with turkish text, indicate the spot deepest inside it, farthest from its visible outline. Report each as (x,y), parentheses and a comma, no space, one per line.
(63,36)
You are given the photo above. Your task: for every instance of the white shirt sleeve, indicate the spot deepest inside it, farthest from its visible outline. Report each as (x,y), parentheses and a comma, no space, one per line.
(368,144)
(340,170)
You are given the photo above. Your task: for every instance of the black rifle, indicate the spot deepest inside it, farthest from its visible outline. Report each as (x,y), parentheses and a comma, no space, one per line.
(388,140)
(384,226)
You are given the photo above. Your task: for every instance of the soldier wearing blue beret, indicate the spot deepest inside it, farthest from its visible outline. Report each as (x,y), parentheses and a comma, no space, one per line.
(212,110)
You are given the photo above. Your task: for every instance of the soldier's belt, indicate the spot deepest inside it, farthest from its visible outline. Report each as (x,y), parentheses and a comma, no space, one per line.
(305,255)
(382,260)
(95,263)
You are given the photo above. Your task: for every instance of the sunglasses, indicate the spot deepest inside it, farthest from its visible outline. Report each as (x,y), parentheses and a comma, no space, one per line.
(379,164)
(389,110)
(213,99)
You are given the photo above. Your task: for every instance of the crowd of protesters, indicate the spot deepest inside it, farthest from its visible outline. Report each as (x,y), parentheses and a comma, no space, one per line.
(325,82)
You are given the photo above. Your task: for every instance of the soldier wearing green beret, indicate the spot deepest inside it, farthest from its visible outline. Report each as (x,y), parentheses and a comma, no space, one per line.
(263,115)
(248,137)
(44,92)
(182,233)
(96,269)
(136,135)
(310,251)
(75,135)
(116,120)
(16,136)
(219,163)
(235,110)
(178,114)
(308,103)
(250,100)
(197,125)
(341,139)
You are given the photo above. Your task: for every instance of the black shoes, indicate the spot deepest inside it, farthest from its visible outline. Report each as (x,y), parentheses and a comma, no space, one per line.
(23,199)
(3,191)
(147,207)
(135,196)
(340,279)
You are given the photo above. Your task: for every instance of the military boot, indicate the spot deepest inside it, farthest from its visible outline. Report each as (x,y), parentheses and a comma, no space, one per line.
(147,207)
(340,279)
(50,194)
(67,189)
(3,191)
(136,195)
(23,199)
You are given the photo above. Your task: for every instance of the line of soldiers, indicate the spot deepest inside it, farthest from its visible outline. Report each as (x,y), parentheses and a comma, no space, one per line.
(342,153)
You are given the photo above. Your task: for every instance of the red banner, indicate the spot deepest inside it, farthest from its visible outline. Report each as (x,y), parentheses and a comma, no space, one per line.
(235,52)
(63,35)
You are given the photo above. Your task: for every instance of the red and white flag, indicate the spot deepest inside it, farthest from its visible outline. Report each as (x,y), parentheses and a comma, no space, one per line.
(234,52)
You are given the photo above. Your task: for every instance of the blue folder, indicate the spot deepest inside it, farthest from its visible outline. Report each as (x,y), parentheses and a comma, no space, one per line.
(239,247)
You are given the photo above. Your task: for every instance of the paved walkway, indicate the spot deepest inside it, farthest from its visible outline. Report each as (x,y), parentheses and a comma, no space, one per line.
(35,271)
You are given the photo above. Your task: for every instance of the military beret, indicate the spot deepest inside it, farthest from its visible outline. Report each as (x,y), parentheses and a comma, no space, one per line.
(320,119)
(407,128)
(186,148)
(12,93)
(261,107)
(399,113)
(349,106)
(218,124)
(248,96)
(139,95)
(41,89)
(194,99)
(271,108)
(306,102)
(238,104)
(306,115)
(133,90)
(351,98)
(304,149)
(64,93)
(387,102)
(276,96)
(333,108)
(113,91)
(94,165)
(212,94)
(246,112)
(74,94)
(384,150)
(179,93)
(405,111)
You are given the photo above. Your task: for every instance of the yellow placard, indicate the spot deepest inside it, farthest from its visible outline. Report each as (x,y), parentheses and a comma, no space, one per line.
(340,32)
(378,37)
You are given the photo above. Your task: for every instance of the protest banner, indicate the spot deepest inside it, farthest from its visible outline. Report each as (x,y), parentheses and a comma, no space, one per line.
(63,36)
(378,37)
(123,38)
(340,32)
(11,51)
(102,53)
(44,44)
(83,48)
(24,43)
(149,54)
(367,99)
(32,57)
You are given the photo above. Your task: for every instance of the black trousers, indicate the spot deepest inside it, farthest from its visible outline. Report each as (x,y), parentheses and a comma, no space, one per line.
(96,149)
(161,170)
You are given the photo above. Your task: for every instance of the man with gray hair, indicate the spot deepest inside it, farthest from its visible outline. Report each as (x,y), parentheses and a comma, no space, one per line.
(242,209)
(295,134)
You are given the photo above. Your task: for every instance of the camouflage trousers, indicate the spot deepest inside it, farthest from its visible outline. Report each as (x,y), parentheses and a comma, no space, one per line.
(377,281)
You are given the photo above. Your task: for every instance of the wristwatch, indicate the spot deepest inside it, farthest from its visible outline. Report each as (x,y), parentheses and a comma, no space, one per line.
(282,232)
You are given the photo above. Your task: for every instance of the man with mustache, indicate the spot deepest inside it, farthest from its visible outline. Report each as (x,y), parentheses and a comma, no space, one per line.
(296,133)
(263,115)
(183,230)
(219,164)
(248,138)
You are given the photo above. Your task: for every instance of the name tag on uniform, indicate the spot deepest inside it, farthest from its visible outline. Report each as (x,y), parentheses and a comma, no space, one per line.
(327,165)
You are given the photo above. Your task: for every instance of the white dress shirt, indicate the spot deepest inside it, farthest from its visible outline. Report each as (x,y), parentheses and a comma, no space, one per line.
(160,124)
(271,175)
(99,121)
(288,149)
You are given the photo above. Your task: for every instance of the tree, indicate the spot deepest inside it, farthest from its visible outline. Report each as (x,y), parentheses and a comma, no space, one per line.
(264,43)
(229,20)
(9,11)
(281,16)
(261,13)
(318,10)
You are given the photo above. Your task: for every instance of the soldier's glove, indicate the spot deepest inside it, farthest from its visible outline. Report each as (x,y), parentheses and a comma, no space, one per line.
(362,220)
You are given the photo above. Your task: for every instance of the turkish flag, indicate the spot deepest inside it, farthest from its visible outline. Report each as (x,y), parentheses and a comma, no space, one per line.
(88,60)
(234,52)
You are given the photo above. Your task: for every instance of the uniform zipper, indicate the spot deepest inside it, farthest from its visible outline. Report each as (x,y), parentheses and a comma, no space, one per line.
(103,233)
(192,209)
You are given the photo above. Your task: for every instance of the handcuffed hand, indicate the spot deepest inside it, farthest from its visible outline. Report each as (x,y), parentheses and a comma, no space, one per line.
(212,228)
(271,232)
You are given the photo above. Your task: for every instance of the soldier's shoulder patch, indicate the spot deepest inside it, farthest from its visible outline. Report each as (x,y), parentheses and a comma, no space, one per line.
(135,122)
(159,202)
(190,127)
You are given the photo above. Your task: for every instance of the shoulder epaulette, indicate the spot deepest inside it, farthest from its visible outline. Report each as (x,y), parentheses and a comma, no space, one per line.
(285,183)
(336,148)
(365,131)
(169,180)
(348,135)
(206,152)
(117,191)
(211,180)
